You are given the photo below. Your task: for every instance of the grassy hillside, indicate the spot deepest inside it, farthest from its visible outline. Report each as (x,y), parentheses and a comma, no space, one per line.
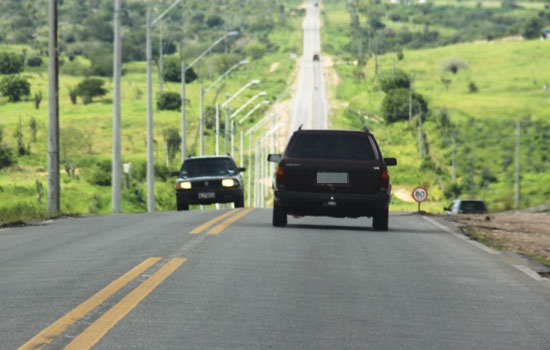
(509,76)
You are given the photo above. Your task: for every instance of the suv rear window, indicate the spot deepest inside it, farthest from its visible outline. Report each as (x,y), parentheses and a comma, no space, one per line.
(346,147)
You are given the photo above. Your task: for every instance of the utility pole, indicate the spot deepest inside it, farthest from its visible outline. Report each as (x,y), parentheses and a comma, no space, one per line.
(453,163)
(53,114)
(420,137)
(116,178)
(518,176)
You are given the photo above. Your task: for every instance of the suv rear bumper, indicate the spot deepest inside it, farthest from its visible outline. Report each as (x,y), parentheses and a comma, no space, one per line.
(331,204)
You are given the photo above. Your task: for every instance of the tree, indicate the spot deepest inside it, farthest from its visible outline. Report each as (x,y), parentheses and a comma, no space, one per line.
(11,63)
(453,65)
(172,140)
(172,72)
(90,88)
(395,106)
(396,79)
(15,87)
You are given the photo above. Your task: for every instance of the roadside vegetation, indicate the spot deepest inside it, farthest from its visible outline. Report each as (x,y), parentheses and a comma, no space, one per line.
(469,84)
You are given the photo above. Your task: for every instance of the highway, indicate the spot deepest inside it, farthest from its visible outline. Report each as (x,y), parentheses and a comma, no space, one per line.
(227,279)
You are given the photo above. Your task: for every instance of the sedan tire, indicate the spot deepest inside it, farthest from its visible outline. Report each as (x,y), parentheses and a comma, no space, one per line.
(182,206)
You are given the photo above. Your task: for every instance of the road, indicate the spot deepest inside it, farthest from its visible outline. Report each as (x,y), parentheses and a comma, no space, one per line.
(227,279)
(178,280)
(310,107)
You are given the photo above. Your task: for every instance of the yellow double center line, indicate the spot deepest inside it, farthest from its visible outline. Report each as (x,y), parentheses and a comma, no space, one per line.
(234,215)
(101,326)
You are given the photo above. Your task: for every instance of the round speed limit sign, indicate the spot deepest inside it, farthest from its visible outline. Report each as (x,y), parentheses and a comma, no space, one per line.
(420,194)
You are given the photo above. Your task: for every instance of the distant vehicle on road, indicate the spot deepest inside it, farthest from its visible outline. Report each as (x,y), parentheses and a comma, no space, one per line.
(316,57)
(466,206)
(335,173)
(209,180)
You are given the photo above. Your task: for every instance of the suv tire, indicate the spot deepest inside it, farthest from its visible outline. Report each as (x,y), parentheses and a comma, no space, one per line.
(279,216)
(380,220)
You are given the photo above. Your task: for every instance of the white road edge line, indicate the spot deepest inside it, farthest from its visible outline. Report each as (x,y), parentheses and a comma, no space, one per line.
(461,236)
(525,269)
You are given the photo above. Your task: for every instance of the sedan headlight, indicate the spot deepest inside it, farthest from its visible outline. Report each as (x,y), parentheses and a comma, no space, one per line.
(228,183)
(184,185)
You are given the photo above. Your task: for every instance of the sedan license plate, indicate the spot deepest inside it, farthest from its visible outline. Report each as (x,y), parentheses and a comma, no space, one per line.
(332,178)
(207,195)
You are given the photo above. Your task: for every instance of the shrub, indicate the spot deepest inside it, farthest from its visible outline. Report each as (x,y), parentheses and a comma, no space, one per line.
(35,61)
(100,173)
(14,88)
(6,156)
(11,63)
(169,101)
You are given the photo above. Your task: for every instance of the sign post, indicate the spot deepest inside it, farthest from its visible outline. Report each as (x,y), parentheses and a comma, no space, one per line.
(420,194)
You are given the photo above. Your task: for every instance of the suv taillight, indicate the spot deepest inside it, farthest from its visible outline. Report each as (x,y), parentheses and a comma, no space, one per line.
(280,177)
(384,180)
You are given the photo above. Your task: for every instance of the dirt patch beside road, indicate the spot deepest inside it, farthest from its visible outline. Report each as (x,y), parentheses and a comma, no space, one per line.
(524,232)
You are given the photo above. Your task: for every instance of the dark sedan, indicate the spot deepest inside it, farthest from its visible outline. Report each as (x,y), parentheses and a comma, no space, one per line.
(209,180)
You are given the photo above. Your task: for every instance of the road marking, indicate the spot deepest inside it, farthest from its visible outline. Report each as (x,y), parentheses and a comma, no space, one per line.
(462,236)
(229,221)
(58,327)
(99,328)
(211,222)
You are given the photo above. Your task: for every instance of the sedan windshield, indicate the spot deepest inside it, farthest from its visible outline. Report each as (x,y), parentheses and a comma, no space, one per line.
(208,167)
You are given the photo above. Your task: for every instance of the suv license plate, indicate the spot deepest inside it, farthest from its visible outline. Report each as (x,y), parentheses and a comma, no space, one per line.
(332,178)
(207,195)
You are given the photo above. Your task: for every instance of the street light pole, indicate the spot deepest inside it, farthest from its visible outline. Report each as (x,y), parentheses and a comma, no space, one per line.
(230,119)
(150,141)
(184,69)
(203,91)
(224,105)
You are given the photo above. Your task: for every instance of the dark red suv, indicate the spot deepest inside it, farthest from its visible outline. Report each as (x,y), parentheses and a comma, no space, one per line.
(335,173)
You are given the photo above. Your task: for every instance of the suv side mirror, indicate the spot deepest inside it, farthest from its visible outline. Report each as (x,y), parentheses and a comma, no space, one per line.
(274,158)
(243,169)
(390,161)
(175,173)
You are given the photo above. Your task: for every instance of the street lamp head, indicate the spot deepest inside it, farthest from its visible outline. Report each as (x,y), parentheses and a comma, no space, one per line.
(244,62)
(232,33)
(263,93)
(255,81)
(265,102)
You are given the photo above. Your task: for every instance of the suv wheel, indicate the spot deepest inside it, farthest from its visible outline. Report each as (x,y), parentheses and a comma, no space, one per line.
(279,216)
(182,206)
(380,220)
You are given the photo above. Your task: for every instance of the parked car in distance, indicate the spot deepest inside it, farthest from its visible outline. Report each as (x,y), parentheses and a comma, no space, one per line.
(209,180)
(334,173)
(316,56)
(466,206)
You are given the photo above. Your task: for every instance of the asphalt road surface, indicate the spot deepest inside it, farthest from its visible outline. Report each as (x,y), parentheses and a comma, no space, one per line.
(227,279)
